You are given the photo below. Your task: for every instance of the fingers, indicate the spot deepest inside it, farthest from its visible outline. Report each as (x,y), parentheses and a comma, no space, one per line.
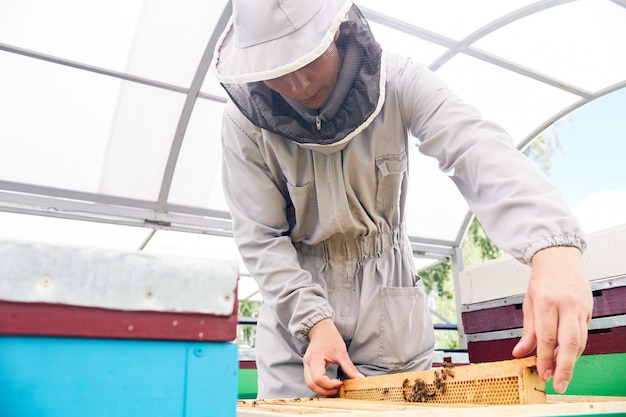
(528,342)
(318,382)
(326,346)
(546,334)
(559,337)
(572,340)
(557,309)
(540,335)
(350,369)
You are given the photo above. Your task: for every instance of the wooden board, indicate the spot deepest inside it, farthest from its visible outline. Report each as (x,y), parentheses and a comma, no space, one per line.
(506,382)
(41,319)
(327,407)
(506,277)
(507,313)
(603,341)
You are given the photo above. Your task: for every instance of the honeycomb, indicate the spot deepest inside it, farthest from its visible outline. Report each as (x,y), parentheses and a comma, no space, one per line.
(497,383)
(504,390)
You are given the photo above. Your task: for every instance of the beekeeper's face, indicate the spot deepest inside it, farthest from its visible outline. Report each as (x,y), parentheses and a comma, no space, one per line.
(312,84)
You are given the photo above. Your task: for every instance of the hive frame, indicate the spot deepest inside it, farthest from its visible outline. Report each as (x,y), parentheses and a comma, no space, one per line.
(514,381)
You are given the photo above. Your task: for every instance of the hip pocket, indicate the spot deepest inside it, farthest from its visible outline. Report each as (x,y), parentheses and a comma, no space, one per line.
(406,329)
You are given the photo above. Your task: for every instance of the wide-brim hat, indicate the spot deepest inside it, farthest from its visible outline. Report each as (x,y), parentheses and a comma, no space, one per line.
(266,39)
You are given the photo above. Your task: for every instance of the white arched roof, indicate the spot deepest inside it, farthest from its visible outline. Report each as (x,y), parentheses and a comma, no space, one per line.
(108,114)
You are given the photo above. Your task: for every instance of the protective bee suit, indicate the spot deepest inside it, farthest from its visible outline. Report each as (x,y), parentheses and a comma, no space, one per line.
(317,197)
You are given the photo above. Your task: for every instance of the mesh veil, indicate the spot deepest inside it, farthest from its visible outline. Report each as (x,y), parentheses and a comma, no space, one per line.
(353,101)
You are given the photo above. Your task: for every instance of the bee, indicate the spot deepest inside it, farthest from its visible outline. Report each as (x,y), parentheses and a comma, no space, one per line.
(421,392)
(439,381)
(447,369)
(405,385)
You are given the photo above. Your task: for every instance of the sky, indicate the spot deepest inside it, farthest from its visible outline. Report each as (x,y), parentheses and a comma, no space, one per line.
(590,170)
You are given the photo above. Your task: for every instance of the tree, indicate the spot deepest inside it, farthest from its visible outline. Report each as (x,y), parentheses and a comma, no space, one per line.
(246,333)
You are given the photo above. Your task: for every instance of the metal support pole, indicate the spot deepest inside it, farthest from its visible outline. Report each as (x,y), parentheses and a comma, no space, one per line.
(457,267)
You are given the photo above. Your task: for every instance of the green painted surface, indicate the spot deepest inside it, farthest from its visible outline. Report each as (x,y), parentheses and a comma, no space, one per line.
(603,375)
(247,384)
(603,415)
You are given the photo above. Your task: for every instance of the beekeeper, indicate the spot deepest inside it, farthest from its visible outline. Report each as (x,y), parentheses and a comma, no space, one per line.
(315,143)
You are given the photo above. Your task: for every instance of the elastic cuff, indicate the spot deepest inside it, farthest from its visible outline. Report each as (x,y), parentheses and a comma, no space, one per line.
(303,333)
(558,240)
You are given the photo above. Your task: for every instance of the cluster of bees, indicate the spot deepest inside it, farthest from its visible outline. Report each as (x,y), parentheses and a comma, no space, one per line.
(258,402)
(420,392)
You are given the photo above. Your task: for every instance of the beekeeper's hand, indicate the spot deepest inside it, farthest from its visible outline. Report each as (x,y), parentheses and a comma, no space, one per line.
(326,346)
(557,311)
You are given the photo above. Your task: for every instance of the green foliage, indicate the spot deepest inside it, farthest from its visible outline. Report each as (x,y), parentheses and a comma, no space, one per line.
(249,308)
(543,148)
(477,247)
(439,284)
(440,290)
(246,333)
(435,279)
(441,302)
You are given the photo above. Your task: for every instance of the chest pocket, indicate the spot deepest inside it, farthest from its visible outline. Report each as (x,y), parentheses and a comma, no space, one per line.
(302,213)
(391,175)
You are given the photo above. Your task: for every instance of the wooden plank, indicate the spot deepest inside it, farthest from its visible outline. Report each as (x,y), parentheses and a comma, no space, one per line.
(611,340)
(606,302)
(609,302)
(491,319)
(505,277)
(43,319)
(247,364)
(491,350)
(327,407)
(317,405)
(506,382)
(33,272)
(601,341)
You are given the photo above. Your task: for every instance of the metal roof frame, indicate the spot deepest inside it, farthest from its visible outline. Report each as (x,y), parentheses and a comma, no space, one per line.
(56,202)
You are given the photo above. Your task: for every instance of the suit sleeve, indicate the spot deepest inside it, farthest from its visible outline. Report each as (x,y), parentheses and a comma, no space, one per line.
(260,226)
(521,211)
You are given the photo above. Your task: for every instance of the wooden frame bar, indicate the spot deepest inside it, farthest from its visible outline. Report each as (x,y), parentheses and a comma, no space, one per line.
(506,382)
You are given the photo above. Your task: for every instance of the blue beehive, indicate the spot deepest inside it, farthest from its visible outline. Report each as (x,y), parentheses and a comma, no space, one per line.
(85,333)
